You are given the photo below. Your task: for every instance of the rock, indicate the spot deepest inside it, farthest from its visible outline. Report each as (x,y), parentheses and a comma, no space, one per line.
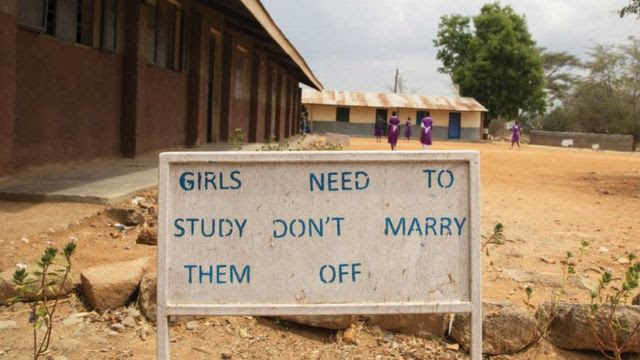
(73,319)
(192,325)
(573,328)
(129,321)
(623,260)
(147,295)
(636,300)
(24,240)
(334,322)
(432,325)
(547,260)
(111,286)
(547,279)
(226,355)
(116,327)
(603,250)
(349,335)
(126,216)
(453,347)
(7,324)
(148,235)
(8,291)
(505,329)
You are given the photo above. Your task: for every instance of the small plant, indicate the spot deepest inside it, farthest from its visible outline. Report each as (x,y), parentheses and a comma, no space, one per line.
(496,237)
(38,286)
(528,290)
(610,329)
(273,145)
(238,139)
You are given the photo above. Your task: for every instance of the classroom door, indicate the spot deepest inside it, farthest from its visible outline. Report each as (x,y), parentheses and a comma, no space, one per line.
(454,125)
(381,113)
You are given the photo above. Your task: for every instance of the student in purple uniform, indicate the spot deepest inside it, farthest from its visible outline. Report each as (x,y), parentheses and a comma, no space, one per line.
(425,138)
(515,138)
(407,129)
(379,128)
(394,130)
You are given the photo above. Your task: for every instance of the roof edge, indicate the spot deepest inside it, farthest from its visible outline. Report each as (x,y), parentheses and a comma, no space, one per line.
(258,10)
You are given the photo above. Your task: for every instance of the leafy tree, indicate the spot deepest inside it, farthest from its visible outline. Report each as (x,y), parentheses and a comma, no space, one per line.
(559,79)
(496,61)
(632,8)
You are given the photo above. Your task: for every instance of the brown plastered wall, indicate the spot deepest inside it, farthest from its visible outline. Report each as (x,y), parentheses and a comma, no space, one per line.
(68,103)
(7,83)
(164,121)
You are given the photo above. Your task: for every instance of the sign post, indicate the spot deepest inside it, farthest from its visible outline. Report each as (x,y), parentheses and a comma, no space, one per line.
(319,233)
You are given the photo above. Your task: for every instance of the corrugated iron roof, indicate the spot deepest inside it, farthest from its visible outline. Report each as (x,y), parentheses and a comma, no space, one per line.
(390,100)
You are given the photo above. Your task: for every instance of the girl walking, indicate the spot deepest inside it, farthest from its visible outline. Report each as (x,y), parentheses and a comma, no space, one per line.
(407,129)
(425,138)
(394,130)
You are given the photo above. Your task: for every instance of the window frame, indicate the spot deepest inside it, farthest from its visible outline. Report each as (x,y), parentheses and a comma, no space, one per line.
(348,112)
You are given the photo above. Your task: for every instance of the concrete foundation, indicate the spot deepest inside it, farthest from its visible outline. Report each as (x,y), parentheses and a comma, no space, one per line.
(367,129)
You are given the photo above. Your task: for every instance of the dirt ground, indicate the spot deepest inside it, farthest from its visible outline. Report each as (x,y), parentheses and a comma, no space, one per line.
(549,200)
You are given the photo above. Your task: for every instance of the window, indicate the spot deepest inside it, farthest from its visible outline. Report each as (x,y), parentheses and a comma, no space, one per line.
(342,114)
(109,25)
(420,115)
(240,74)
(152,34)
(31,13)
(69,20)
(166,35)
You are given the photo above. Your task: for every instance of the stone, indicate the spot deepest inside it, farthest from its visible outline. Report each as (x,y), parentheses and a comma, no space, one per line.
(349,335)
(73,319)
(192,325)
(623,260)
(430,325)
(7,324)
(505,329)
(541,278)
(334,322)
(116,327)
(603,250)
(8,290)
(147,294)
(111,286)
(572,326)
(226,355)
(126,216)
(129,321)
(453,347)
(148,236)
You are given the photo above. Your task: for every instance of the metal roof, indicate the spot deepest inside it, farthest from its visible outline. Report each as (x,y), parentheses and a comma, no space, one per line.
(390,100)
(262,16)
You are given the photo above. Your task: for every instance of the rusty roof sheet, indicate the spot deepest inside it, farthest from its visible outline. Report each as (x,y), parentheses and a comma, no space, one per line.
(390,100)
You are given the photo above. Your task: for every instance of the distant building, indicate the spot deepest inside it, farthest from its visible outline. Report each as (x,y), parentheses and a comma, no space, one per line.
(355,113)
(81,79)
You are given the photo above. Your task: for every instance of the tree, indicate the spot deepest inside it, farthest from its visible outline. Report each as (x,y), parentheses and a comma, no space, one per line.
(496,62)
(632,8)
(400,85)
(557,74)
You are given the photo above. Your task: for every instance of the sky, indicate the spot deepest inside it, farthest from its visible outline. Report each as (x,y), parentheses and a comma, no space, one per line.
(358,44)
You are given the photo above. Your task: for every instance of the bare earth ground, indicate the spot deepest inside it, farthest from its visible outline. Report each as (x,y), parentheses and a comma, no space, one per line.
(549,200)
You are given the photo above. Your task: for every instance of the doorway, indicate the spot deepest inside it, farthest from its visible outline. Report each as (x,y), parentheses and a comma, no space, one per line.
(454,125)
(210,88)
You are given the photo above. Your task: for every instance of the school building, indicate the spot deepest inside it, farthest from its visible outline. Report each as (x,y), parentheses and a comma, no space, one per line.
(355,113)
(82,79)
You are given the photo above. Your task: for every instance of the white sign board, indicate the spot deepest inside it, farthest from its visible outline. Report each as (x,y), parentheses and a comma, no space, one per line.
(310,233)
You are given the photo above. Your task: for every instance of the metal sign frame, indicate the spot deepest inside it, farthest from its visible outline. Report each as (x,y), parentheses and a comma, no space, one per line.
(474,307)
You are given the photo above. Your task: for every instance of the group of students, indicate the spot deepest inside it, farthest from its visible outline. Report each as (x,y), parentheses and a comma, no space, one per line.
(394,130)
(425,137)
